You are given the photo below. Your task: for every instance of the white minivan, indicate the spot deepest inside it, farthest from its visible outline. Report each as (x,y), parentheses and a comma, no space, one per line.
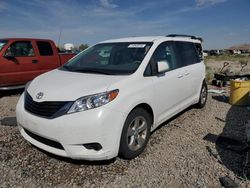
(105,101)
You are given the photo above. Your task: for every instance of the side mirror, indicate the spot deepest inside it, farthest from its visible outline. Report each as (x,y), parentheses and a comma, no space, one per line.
(9,55)
(162,66)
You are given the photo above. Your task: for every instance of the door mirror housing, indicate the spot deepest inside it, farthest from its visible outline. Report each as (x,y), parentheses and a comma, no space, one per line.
(162,66)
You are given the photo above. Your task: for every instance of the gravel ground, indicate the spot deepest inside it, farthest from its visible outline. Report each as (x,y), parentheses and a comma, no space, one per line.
(177,154)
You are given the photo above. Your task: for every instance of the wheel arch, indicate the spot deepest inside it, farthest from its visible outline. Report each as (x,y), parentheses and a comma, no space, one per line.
(146,107)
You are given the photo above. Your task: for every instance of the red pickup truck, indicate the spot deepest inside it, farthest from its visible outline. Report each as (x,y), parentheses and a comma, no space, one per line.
(22,59)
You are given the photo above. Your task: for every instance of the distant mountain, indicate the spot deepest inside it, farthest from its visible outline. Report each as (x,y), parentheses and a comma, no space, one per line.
(240,47)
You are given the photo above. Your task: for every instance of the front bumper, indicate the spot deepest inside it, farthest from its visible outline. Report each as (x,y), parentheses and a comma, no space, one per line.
(71,131)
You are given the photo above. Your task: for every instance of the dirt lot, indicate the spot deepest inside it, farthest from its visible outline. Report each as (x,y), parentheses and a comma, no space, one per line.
(177,154)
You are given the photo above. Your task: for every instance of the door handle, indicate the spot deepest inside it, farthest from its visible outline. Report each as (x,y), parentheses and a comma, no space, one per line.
(187,73)
(34,61)
(180,76)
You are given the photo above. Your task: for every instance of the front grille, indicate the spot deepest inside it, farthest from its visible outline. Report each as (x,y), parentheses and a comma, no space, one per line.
(48,109)
(45,141)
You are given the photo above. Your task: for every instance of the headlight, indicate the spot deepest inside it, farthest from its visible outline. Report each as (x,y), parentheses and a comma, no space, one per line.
(93,101)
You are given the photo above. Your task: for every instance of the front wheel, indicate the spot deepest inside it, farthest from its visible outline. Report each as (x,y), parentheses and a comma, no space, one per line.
(203,96)
(135,134)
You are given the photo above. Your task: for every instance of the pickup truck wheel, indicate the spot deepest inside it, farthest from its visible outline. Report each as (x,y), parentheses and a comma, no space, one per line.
(203,96)
(135,134)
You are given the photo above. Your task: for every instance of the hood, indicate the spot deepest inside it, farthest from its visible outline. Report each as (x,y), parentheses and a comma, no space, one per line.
(58,85)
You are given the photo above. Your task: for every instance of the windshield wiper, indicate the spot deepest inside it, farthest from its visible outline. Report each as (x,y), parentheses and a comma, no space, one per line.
(65,67)
(94,71)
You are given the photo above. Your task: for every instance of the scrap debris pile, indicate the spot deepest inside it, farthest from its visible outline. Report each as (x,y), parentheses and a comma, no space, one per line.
(222,77)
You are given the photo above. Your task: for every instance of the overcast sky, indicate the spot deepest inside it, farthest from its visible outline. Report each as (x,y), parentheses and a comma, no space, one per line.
(222,23)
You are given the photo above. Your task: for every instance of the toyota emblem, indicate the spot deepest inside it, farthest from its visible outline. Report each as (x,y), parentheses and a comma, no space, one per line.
(39,95)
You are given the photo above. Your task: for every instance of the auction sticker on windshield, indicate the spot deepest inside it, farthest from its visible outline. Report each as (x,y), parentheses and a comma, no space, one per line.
(136,45)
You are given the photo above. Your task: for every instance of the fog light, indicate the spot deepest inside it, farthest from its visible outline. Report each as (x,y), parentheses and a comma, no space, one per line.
(94,146)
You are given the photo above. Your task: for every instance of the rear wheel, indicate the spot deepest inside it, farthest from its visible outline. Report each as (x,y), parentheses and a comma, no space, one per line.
(135,134)
(203,96)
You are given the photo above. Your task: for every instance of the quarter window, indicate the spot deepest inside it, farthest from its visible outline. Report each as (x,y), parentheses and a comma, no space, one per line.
(44,48)
(20,49)
(199,51)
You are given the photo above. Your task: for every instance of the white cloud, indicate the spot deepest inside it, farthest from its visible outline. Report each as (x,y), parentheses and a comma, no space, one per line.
(107,4)
(201,3)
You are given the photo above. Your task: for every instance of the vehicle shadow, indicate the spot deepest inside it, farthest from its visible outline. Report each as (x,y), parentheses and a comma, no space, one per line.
(167,122)
(11,92)
(8,121)
(231,143)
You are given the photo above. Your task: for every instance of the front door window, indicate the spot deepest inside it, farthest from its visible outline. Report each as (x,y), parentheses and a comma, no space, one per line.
(20,49)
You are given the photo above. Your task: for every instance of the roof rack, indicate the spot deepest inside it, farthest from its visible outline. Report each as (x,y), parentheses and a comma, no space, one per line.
(188,36)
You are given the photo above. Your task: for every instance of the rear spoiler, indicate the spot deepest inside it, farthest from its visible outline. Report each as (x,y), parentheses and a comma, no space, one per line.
(187,36)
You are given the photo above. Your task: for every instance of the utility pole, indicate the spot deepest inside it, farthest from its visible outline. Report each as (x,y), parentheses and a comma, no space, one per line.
(59,38)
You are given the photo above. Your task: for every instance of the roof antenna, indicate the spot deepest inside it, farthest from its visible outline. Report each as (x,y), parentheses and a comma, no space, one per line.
(59,38)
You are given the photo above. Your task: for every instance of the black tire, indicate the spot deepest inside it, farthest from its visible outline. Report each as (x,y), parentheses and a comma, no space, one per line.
(129,145)
(219,84)
(203,96)
(214,82)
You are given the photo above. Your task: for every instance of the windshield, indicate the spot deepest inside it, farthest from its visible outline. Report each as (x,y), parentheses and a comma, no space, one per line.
(2,43)
(109,58)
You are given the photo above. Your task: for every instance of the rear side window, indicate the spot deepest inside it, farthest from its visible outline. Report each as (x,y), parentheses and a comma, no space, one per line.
(187,54)
(44,48)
